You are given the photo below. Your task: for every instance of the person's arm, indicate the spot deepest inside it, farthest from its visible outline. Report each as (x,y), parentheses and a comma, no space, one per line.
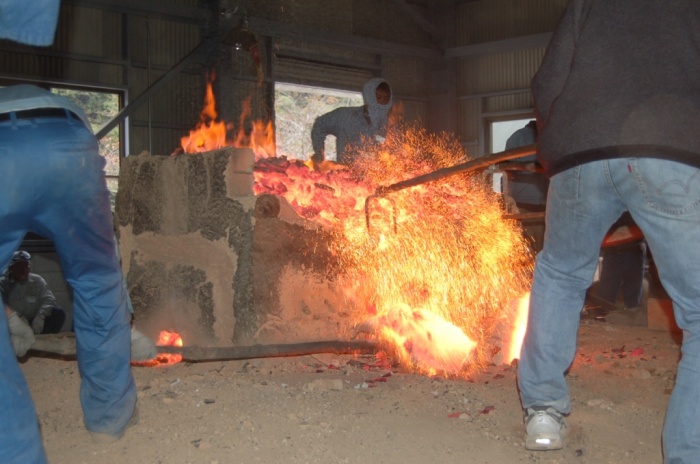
(48,303)
(551,77)
(325,125)
(48,300)
(319,131)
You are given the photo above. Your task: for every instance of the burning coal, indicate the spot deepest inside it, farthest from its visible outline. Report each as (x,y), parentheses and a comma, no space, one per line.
(438,271)
(165,338)
(439,267)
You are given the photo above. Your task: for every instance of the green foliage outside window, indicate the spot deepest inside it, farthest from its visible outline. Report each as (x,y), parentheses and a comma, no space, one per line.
(100,107)
(296,109)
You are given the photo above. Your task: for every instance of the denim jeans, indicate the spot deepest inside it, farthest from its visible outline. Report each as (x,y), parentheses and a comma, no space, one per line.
(663,198)
(52,183)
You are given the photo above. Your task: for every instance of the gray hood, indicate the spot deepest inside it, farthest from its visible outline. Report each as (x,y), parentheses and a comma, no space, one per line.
(378,114)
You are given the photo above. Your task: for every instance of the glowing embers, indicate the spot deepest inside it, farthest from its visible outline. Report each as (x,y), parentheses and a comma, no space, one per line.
(438,270)
(425,340)
(165,338)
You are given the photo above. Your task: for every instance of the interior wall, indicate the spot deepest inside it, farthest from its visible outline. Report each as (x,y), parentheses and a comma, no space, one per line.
(452,64)
(498,49)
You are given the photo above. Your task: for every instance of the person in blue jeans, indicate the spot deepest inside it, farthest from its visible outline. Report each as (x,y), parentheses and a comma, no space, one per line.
(46,143)
(617,99)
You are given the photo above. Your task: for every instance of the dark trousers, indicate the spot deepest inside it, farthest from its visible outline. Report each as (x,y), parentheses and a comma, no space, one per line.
(54,322)
(622,270)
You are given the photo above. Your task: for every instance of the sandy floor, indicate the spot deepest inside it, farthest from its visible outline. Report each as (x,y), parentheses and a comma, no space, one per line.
(336,409)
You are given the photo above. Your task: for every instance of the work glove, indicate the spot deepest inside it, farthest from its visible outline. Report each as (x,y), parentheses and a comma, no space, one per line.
(142,347)
(38,323)
(21,334)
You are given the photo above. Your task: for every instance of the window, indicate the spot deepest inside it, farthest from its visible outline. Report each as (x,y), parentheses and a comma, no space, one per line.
(100,107)
(501,130)
(296,109)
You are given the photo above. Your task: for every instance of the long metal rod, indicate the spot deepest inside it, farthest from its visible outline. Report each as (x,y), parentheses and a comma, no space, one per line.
(469,166)
(230,353)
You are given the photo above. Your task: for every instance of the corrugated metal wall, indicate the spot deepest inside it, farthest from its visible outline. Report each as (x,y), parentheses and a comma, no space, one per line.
(492,20)
(493,85)
(88,48)
(122,49)
(155,46)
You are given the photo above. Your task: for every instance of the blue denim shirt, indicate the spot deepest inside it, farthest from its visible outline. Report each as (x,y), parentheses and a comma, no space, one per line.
(29,22)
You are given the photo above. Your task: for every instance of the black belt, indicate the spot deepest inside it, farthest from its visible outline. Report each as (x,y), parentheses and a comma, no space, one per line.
(37,113)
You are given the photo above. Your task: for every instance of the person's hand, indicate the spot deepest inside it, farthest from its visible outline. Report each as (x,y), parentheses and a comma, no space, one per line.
(21,334)
(316,160)
(38,323)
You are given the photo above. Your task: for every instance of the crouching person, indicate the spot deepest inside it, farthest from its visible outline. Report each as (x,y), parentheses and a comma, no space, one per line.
(30,297)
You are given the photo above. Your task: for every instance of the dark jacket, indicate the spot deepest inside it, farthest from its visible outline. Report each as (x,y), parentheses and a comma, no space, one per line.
(620,79)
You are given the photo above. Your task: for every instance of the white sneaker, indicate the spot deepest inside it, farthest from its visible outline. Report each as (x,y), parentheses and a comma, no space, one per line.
(544,429)
(142,347)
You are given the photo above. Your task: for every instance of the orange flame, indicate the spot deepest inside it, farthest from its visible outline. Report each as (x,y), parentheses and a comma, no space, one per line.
(519,328)
(165,338)
(425,340)
(210,134)
(439,266)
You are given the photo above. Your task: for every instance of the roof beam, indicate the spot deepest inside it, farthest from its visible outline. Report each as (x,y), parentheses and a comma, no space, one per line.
(152,8)
(287,31)
(419,19)
(500,46)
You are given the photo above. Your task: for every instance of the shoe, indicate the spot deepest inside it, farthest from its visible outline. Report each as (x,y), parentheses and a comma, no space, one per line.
(142,347)
(544,429)
(99,438)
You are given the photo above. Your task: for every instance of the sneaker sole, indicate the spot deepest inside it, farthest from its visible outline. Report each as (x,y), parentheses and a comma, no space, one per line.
(543,443)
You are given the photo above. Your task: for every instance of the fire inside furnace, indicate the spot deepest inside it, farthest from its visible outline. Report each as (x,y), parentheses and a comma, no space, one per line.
(439,271)
(165,338)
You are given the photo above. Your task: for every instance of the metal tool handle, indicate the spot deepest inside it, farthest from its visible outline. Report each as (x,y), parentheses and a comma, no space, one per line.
(470,166)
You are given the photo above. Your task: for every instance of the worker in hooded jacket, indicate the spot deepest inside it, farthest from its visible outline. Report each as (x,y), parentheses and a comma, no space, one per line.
(354,126)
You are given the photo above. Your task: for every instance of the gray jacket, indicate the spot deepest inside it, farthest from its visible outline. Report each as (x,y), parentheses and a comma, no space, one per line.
(29,297)
(620,79)
(352,125)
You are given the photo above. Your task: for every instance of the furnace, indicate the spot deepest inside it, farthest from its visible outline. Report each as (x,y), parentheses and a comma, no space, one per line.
(207,258)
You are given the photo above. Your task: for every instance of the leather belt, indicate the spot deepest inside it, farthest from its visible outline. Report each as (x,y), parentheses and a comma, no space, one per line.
(39,113)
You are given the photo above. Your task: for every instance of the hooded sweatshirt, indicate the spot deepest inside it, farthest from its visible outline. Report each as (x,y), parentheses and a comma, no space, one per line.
(352,125)
(620,79)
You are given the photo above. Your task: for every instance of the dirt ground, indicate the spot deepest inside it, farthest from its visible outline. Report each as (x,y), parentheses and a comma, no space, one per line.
(340,409)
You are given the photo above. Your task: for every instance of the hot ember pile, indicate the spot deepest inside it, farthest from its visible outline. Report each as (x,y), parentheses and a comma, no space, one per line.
(439,271)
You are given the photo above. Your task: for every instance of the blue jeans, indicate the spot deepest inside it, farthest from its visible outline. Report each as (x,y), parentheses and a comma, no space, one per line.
(52,183)
(663,197)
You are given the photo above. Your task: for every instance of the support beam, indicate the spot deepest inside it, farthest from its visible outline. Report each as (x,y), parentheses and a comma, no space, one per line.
(500,46)
(419,19)
(162,9)
(287,31)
